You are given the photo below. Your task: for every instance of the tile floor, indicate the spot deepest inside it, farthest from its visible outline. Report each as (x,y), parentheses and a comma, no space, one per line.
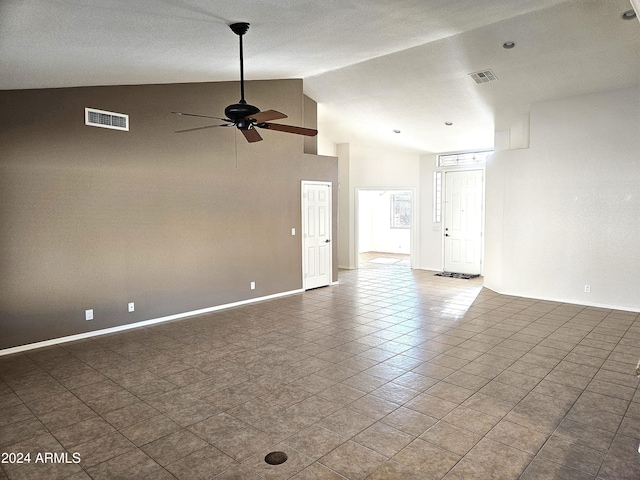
(392,374)
(377,259)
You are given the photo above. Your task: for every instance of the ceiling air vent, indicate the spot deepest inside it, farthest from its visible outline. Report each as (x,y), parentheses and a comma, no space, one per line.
(484,76)
(100,118)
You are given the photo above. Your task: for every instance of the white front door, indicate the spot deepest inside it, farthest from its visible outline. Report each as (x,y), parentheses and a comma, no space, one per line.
(316,235)
(463,222)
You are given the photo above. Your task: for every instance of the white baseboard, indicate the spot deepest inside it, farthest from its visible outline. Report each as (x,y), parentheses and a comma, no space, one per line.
(144,323)
(570,301)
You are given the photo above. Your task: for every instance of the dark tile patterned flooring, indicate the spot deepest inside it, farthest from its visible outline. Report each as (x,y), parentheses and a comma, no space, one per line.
(392,374)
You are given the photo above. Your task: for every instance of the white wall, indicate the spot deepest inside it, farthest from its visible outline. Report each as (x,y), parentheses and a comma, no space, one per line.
(566,212)
(366,201)
(430,239)
(364,166)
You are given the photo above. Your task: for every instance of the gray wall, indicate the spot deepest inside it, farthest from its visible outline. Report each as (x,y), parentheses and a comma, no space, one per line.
(96,218)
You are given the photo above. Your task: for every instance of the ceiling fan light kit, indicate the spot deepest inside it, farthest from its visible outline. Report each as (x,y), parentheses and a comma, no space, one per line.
(244,116)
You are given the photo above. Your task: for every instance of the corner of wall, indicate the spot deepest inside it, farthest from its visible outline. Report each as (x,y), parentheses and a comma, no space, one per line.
(517,137)
(345,202)
(310,115)
(519,133)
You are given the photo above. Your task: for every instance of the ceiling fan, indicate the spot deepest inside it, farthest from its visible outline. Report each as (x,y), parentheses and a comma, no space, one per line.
(246,117)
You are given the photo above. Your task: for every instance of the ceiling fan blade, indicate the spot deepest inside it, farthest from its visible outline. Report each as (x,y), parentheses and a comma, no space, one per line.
(309,132)
(201,116)
(252,135)
(267,115)
(202,128)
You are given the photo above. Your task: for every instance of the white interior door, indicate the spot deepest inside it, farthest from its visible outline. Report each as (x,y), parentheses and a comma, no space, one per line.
(316,234)
(463,222)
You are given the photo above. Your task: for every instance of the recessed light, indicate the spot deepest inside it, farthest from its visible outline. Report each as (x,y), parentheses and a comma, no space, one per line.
(396,131)
(629,15)
(508,45)
(448,124)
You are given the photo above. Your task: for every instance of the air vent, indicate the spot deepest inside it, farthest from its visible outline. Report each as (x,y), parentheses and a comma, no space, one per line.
(100,118)
(484,76)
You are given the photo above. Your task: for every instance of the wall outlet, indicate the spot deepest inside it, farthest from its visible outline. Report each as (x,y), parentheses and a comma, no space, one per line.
(253,285)
(88,314)
(293,231)
(131,307)
(587,289)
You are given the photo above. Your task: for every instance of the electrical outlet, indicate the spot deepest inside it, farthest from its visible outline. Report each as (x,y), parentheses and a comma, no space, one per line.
(587,289)
(293,231)
(131,307)
(253,285)
(88,314)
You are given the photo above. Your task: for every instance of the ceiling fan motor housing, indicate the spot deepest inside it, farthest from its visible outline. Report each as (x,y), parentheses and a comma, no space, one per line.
(239,111)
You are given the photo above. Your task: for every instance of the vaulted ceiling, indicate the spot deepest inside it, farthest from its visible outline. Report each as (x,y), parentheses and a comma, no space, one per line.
(373,66)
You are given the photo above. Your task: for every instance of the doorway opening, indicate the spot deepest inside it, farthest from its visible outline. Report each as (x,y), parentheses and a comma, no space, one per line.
(384,227)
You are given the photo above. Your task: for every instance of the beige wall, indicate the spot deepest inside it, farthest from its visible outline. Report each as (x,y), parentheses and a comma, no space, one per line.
(97,218)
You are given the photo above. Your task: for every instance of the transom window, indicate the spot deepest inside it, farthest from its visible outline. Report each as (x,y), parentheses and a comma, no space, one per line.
(466,158)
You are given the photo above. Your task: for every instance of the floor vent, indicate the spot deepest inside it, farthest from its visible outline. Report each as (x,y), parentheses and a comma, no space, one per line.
(100,118)
(484,76)
(275,458)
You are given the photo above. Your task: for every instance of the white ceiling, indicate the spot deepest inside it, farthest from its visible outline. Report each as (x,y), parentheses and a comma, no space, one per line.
(373,66)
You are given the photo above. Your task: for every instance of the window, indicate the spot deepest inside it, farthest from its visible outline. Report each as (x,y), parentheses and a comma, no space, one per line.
(467,158)
(437,197)
(401,210)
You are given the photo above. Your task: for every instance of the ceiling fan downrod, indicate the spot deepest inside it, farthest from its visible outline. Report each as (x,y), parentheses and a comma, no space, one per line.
(239,111)
(240,29)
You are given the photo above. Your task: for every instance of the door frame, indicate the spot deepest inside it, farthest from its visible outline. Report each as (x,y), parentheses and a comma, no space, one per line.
(413,238)
(303,202)
(445,211)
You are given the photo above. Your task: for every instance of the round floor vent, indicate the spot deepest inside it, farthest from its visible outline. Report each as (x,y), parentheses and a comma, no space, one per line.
(275,458)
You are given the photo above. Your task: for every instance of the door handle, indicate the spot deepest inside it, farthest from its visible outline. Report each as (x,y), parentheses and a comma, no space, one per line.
(327,241)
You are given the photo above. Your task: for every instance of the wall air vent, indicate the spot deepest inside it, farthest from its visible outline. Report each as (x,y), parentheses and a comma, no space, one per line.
(100,118)
(484,76)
